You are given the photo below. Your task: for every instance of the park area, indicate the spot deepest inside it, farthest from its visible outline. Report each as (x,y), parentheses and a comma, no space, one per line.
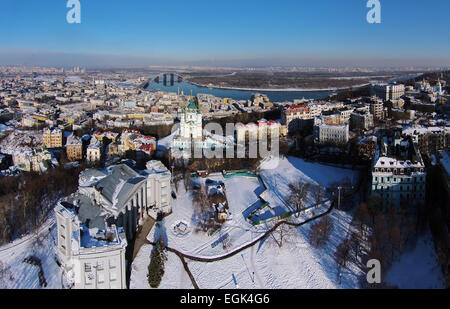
(294,264)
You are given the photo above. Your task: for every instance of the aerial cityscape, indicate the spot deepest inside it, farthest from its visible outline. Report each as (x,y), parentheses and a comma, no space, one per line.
(227,146)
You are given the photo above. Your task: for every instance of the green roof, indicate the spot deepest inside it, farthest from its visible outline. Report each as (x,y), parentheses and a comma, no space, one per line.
(192,105)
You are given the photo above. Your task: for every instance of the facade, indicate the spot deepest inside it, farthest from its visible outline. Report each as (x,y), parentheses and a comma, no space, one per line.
(326,132)
(367,147)
(96,223)
(94,151)
(53,138)
(294,117)
(74,148)
(376,108)
(299,116)
(361,120)
(398,173)
(92,255)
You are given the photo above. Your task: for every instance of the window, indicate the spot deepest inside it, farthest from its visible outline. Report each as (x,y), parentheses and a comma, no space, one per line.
(87,267)
(113,276)
(112,264)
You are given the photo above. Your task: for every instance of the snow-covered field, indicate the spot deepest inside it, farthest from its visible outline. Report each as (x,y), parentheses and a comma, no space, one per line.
(20,275)
(265,265)
(418,268)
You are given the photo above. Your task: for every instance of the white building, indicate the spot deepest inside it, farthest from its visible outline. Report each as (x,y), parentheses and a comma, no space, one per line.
(191,122)
(94,152)
(95,224)
(191,133)
(330,133)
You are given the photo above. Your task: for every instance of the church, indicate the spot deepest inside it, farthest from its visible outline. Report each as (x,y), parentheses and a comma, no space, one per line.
(190,134)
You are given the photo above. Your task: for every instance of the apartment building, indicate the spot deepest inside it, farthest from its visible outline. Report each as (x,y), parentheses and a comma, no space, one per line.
(53,138)
(387,91)
(398,173)
(74,148)
(327,131)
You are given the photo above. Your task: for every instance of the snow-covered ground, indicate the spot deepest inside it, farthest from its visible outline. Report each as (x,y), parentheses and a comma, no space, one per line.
(175,276)
(265,265)
(418,268)
(21,275)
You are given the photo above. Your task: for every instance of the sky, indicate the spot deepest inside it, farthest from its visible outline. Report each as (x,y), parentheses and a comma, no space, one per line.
(132,33)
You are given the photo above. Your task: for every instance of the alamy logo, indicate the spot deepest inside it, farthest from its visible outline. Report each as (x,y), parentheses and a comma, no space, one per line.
(74,14)
(374,15)
(374,274)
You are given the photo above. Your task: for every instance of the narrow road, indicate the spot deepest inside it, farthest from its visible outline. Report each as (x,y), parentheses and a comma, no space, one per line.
(141,237)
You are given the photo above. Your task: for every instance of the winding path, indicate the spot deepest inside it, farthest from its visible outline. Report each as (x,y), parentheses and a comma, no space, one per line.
(184,256)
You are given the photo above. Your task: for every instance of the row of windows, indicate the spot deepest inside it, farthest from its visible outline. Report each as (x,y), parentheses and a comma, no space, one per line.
(399,180)
(100,266)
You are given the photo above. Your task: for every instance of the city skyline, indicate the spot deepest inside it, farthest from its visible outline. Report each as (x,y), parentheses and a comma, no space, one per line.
(139,34)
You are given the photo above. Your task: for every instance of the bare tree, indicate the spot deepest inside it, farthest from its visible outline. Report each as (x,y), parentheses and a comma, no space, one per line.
(342,254)
(297,197)
(187,180)
(318,193)
(203,211)
(285,233)
(320,232)
(355,244)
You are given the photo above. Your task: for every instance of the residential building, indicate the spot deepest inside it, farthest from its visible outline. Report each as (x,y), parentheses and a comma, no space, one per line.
(53,138)
(387,91)
(398,173)
(94,151)
(295,117)
(326,131)
(376,108)
(361,120)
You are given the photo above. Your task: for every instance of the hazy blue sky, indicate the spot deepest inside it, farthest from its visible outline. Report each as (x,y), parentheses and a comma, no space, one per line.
(243,32)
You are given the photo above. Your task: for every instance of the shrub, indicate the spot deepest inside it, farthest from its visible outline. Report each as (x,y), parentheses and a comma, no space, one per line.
(156,268)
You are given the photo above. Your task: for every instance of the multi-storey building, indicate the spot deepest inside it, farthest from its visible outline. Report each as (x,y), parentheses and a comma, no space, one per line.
(33,160)
(94,151)
(398,173)
(53,138)
(74,148)
(294,117)
(387,91)
(376,108)
(326,131)
(96,223)
(361,120)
